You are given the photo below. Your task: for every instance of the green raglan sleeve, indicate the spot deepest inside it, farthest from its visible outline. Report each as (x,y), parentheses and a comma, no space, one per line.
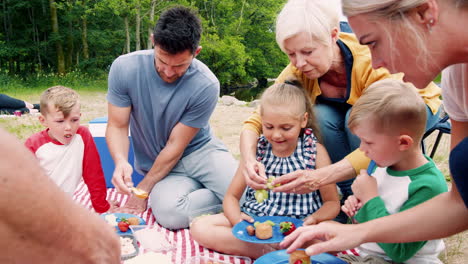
(422,188)
(398,252)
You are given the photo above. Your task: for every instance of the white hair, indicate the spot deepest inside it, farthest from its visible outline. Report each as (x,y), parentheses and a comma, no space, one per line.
(316,17)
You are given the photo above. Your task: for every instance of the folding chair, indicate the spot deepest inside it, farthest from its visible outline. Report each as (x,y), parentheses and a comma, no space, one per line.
(443,126)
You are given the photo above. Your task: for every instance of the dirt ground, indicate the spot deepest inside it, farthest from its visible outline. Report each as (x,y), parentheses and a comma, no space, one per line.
(226,123)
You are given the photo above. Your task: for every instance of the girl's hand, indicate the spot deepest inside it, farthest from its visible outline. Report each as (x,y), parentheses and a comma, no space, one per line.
(254,174)
(246,217)
(310,220)
(365,187)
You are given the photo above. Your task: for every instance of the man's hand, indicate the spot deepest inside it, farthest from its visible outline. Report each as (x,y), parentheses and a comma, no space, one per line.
(365,187)
(254,174)
(122,177)
(300,182)
(333,236)
(134,206)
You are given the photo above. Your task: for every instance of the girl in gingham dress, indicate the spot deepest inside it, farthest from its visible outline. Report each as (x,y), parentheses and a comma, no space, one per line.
(288,144)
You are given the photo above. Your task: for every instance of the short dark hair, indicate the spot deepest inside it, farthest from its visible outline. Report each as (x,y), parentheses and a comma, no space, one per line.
(177,30)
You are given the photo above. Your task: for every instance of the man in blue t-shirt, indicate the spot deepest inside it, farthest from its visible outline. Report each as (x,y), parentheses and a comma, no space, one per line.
(167,96)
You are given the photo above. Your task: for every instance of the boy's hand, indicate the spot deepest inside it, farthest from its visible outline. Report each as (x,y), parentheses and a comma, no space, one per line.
(365,187)
(351,206)
(122,177)
(310,220)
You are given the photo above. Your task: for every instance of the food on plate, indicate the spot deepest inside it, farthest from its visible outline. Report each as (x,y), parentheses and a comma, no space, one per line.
(287,227)
(111,219)
(126,246)
(269,222)
(123,225)
(263,231)
(250,230)
(299,257)
(262,195)
(133,221)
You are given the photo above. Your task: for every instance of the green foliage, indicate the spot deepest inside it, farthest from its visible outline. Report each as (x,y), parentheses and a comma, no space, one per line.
(76,79)
(238,38)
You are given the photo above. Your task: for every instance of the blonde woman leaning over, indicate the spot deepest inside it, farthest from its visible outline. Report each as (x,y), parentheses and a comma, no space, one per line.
(420,38)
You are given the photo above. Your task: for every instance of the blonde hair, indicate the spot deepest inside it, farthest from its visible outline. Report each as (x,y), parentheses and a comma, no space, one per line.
(292,96)
(395,12)
(62,98)
(393,106)
(315,17)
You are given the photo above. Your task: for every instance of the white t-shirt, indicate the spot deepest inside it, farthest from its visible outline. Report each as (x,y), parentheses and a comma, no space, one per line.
(455,91)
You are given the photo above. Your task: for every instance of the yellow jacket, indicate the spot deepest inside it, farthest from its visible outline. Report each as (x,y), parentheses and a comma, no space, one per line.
(362,75)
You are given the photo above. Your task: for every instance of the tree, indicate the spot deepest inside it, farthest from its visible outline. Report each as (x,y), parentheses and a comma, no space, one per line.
(56,37)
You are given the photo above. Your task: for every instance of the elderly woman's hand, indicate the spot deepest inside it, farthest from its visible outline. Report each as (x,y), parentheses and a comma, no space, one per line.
(254,174)
(299,182)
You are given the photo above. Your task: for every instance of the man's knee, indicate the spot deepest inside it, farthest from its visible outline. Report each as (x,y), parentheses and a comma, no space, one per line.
(168,212)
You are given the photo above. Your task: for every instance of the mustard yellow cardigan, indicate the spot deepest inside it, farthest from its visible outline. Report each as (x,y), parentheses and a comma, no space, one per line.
(362,75)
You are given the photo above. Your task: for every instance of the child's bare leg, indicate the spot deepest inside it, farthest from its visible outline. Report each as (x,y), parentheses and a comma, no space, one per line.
(215,232)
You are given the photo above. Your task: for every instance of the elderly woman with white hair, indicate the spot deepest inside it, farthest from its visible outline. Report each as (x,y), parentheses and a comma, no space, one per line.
(334,69)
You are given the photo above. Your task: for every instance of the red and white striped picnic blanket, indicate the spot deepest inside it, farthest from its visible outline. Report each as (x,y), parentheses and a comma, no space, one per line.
(186,247)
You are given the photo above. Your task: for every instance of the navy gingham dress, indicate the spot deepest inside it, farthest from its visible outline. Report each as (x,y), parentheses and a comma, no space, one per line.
(285,204)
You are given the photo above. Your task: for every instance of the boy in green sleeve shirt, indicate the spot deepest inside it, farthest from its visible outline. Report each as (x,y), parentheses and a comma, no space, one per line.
(390,119)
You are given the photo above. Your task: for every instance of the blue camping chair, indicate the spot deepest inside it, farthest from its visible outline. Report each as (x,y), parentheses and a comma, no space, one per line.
(443,126)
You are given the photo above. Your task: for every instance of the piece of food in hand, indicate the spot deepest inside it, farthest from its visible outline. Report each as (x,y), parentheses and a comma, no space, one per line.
(133,221)
(287,227)
(250,230)
(139,193)
(263,231)
(299,257)
(270,182)
(123,225)
(261,195)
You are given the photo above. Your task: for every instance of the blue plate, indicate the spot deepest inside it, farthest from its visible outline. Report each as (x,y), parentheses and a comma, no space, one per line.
(240,231)
(124,215)
(281,257)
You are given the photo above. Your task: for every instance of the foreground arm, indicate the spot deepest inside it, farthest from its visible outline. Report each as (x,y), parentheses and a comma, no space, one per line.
(447,212)
(40,223)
